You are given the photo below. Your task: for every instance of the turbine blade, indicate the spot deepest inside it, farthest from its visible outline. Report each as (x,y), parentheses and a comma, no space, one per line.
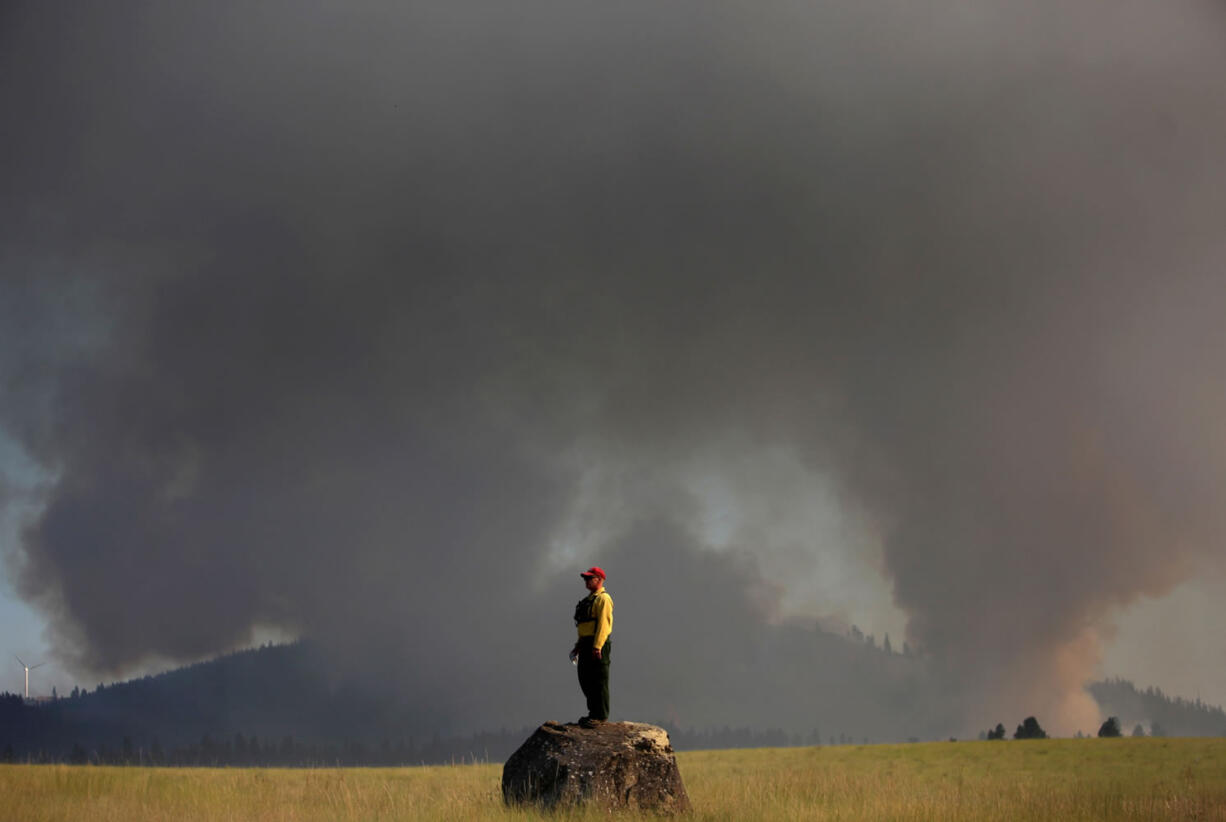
(39,665)
(19,660)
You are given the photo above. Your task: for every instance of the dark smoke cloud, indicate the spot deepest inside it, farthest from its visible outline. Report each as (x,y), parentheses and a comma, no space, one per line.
(330,318)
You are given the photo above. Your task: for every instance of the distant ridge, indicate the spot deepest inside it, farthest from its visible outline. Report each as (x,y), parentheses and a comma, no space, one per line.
(267,705)
(275,705)
(1155,711)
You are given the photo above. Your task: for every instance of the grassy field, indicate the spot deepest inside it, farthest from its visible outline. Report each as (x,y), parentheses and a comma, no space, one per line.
(1051,779)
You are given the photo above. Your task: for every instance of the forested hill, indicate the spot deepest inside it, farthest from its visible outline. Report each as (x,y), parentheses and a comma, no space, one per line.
(266,706)
(295,700)
(1159,714)
(279,705)
(278,695)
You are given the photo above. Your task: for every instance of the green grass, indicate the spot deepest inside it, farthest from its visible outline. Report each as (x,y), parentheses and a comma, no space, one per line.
(1051,779)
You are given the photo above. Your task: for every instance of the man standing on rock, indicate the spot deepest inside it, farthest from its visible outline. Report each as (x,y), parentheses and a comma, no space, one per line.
(594,620)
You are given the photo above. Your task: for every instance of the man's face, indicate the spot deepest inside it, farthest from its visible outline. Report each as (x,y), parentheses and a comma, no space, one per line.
(592,583)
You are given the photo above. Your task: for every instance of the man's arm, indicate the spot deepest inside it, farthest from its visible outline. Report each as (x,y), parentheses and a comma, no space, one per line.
(603,612)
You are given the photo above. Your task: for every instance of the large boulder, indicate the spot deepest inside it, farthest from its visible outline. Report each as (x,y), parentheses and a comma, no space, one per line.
(613,765)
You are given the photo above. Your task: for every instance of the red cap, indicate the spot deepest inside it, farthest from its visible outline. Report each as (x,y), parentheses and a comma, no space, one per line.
(593,572)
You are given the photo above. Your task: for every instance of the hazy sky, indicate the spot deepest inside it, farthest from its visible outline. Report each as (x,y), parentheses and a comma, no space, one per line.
(373,321)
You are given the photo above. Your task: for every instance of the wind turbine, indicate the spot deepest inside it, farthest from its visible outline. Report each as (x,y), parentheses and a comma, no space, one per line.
(28,669)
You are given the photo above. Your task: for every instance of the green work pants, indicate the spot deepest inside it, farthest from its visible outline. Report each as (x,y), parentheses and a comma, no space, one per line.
(594,677)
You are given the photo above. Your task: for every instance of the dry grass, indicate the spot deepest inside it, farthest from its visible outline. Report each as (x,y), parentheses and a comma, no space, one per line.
(1052,779)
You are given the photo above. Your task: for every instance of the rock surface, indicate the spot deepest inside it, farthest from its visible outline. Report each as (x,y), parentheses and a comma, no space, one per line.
(614,765)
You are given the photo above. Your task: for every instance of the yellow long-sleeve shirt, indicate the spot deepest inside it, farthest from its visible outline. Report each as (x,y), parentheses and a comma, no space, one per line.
(601,624)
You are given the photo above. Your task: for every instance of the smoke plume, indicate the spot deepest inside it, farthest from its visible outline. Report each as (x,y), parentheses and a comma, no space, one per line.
(375,322)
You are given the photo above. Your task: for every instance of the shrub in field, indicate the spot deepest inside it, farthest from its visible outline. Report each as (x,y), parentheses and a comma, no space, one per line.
(1029,729)
(998,732)
(1110,728)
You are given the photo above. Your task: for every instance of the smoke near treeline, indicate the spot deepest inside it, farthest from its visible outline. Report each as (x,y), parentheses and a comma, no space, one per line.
(374,322)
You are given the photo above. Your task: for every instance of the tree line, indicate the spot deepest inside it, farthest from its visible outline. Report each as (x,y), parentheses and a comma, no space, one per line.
(239,750)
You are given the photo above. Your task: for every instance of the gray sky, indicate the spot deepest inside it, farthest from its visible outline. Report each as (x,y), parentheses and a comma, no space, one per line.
(373,321)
